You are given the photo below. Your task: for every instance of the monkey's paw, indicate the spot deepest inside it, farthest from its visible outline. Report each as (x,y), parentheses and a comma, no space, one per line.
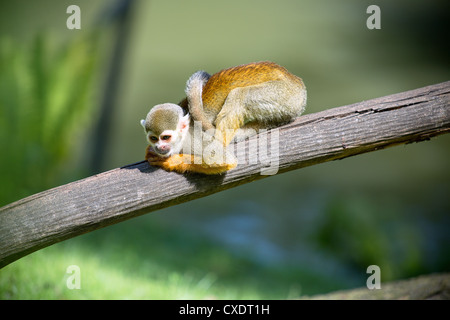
(155,161)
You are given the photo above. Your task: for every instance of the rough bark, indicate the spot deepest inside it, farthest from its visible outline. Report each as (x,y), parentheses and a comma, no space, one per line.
(427,287)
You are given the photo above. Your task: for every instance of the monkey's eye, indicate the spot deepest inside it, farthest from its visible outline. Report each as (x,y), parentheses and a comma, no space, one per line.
(166,137)
(154,138)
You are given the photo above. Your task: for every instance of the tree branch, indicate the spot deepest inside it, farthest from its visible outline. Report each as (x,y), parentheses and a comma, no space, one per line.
(427,287)
(82,206)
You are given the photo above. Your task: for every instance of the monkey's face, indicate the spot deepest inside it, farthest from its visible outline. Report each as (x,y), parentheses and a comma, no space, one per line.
(166,129)
(164,144)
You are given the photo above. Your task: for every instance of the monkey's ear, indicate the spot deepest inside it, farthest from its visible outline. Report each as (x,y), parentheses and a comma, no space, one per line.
(143,123)
(184,122)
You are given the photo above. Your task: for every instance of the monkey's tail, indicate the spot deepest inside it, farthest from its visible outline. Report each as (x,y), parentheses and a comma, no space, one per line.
(194,89)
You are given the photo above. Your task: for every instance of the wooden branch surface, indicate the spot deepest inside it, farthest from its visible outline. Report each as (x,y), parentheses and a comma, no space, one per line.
(123,193)
(427,287)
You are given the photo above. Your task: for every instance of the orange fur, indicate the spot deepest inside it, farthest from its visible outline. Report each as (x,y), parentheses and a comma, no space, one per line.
(185,163)
(221,83)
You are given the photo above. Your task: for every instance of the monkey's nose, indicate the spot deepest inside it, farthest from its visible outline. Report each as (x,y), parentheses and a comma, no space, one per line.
(163,149)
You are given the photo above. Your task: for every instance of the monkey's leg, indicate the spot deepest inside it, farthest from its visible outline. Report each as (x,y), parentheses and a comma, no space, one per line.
(231,117)
(189,163)
(263,105)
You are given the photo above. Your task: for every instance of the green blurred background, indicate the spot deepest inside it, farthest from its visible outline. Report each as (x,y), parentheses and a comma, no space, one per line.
(305,232)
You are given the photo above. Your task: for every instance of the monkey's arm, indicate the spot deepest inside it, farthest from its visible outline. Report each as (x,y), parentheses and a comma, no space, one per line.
(187,163)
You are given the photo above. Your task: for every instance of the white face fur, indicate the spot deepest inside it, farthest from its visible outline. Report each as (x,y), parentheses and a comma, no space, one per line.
(165,144)
(168,142)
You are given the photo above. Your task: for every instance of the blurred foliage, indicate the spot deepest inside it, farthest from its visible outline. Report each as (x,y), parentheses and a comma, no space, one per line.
(364,233)
(45,104)
(153,261)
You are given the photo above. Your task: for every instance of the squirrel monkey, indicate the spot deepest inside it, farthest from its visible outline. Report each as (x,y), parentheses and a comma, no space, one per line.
(230,105)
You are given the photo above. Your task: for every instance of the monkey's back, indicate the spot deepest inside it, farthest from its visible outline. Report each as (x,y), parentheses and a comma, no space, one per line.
(221,83)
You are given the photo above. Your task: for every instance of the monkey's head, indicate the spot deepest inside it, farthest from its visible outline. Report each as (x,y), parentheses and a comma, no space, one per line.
(166,127)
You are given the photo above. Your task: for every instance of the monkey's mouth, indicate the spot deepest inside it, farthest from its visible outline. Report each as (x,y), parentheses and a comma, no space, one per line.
(162,153)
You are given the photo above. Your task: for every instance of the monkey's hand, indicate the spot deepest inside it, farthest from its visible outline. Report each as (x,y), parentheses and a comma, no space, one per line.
(150,155)
(187,163)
